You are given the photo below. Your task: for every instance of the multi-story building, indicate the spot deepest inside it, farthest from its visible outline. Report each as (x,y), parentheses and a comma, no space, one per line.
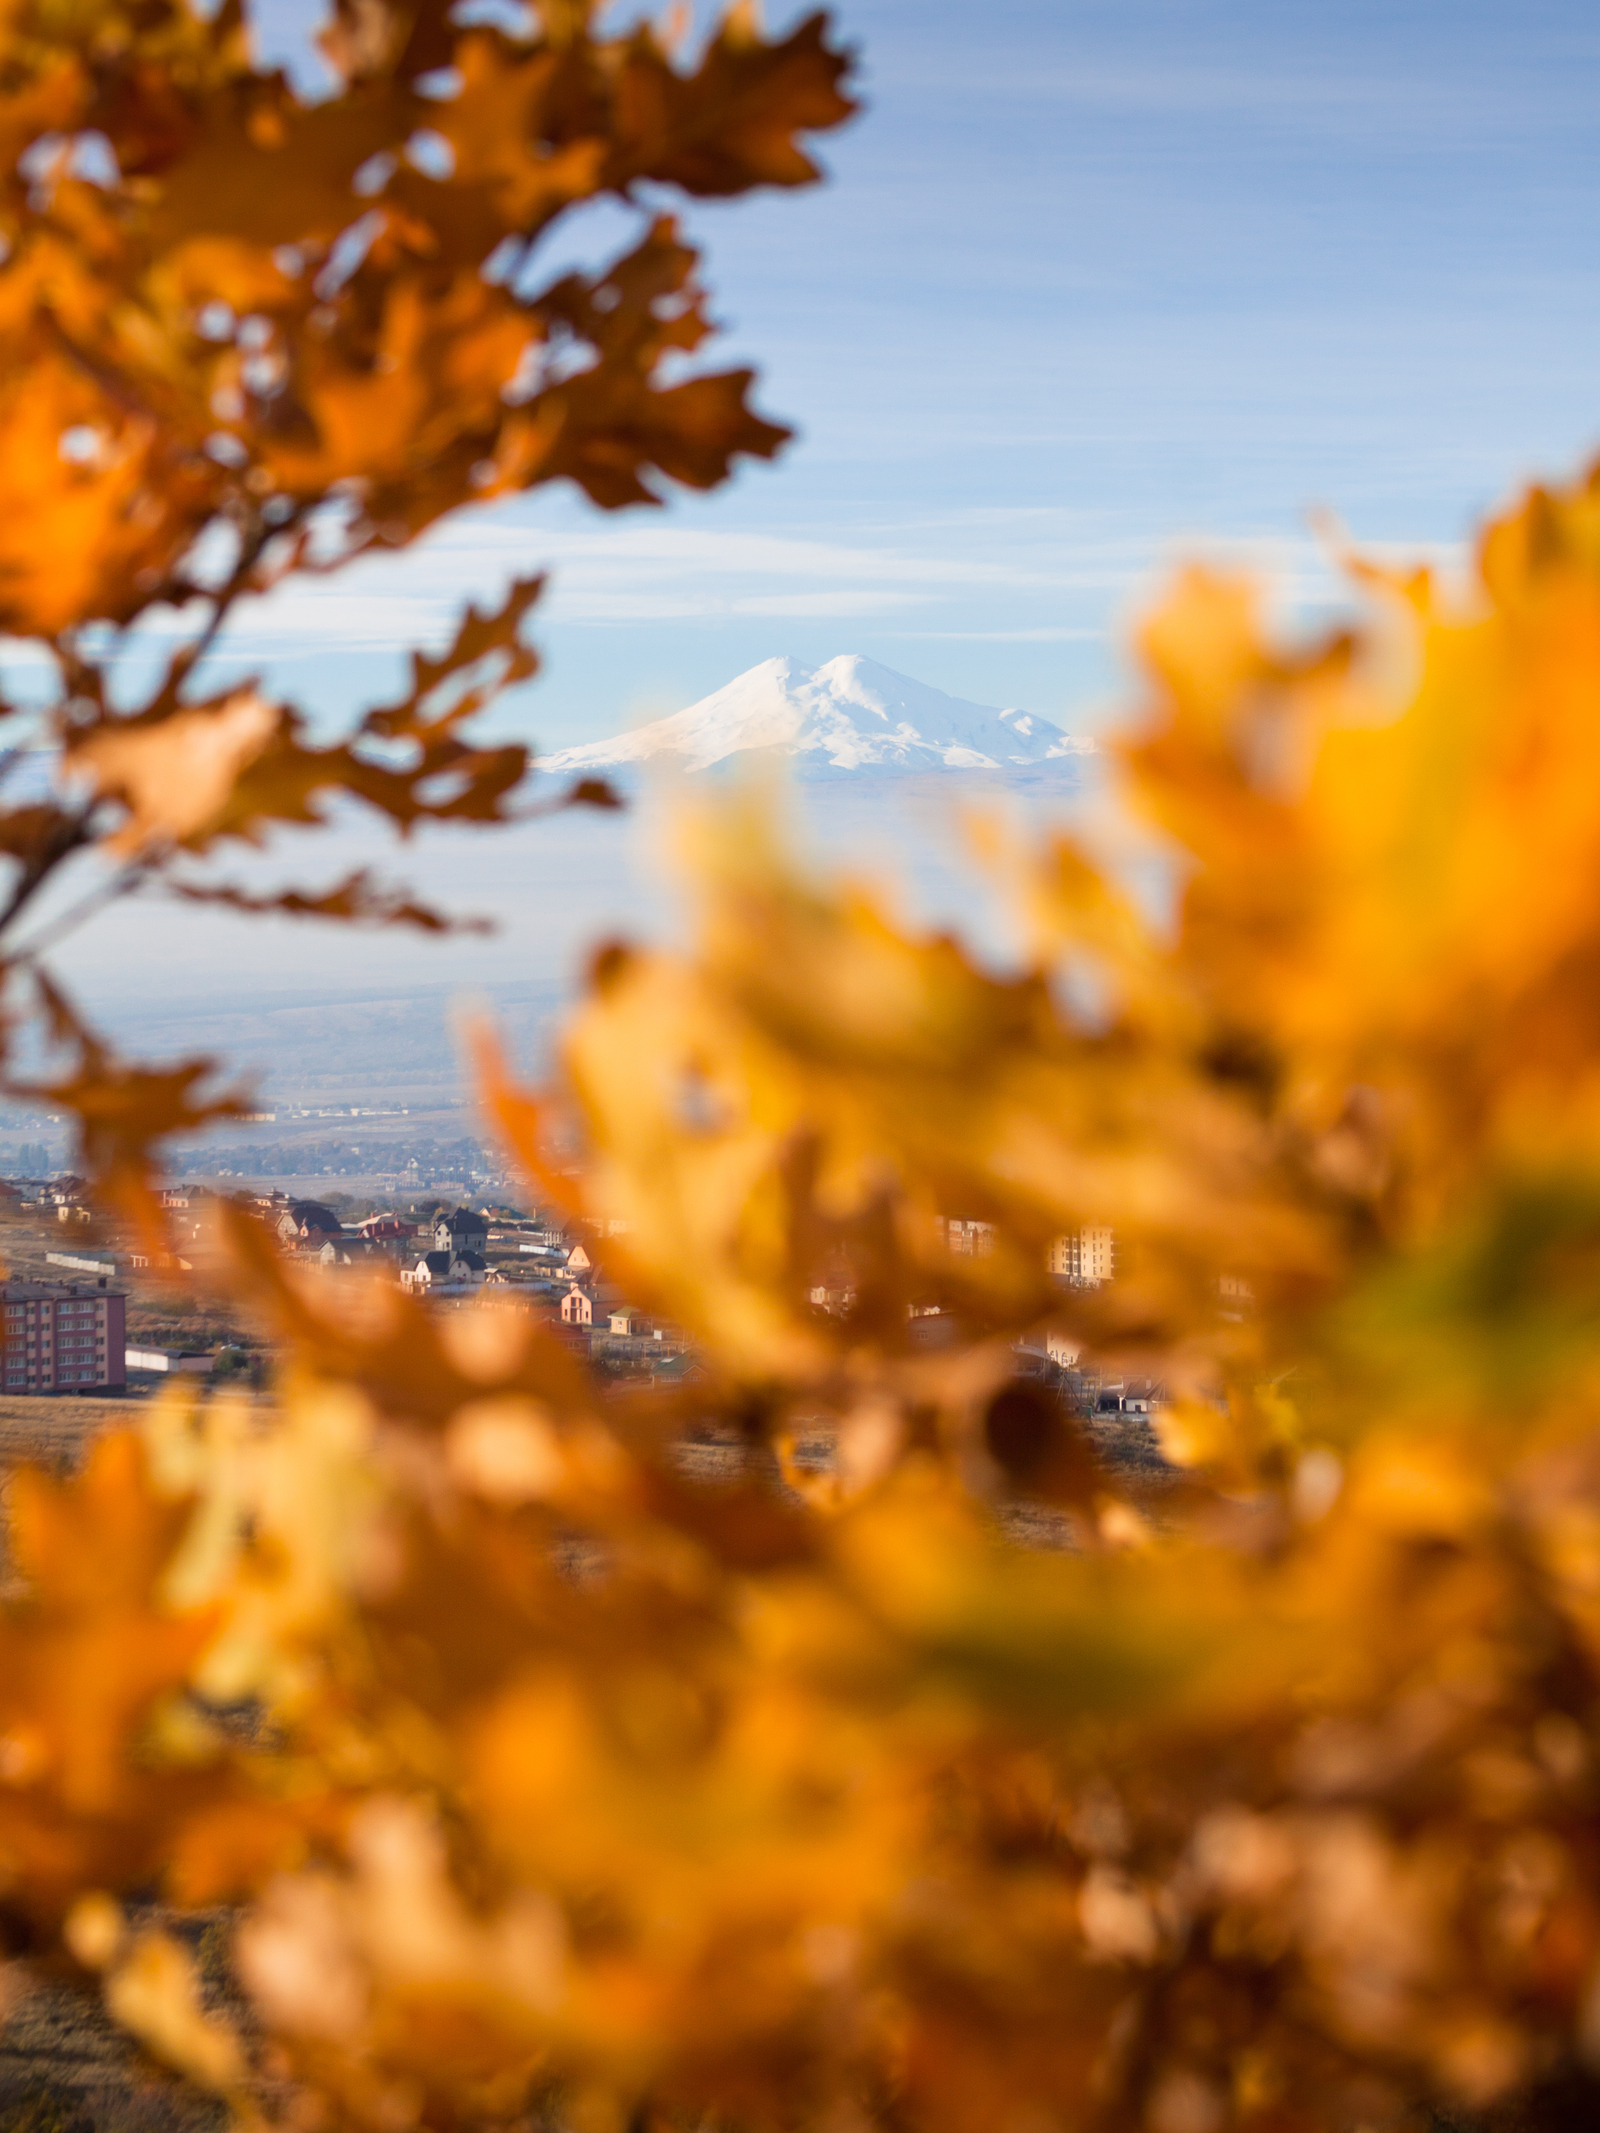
(1085,1257)
(63,1337)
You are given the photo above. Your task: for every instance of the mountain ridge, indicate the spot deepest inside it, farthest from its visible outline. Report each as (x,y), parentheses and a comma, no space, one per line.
(849,717)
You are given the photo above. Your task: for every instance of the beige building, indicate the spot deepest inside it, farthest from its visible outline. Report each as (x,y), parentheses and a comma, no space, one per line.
(1085,1256)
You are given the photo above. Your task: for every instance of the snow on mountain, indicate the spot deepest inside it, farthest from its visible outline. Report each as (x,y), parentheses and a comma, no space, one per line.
(847,716)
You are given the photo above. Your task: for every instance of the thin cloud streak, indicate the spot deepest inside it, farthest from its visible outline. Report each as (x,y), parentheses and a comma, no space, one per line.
(663,573)
(1042,636)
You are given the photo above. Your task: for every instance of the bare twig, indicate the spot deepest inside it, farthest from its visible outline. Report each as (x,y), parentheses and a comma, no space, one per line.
(69,838)
(126,879)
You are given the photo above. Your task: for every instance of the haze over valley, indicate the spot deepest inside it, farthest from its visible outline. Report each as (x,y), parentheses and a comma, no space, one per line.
(877,768)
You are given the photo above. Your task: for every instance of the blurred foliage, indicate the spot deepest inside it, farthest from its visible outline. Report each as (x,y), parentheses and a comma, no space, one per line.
(730,1755)
(249,333)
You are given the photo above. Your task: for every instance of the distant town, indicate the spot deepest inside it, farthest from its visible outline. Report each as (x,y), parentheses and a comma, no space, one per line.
(89,1312)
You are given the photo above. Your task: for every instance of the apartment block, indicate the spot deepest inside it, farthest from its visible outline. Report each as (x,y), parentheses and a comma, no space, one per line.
(1085,1257)
(63,1337)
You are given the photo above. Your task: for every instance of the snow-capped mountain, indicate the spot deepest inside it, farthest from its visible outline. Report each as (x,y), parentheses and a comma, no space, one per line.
(847,716)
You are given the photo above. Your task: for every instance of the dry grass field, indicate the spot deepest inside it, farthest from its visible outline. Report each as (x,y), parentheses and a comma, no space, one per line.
(53,1432)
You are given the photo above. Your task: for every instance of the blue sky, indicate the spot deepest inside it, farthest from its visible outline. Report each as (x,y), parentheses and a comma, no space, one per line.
(1091,285)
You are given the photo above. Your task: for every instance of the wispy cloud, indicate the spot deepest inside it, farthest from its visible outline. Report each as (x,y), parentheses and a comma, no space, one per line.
(1264,96)
(666,572)
(1022,577)
(1087,635)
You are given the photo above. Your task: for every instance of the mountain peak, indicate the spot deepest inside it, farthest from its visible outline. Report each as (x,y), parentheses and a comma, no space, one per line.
(849,715)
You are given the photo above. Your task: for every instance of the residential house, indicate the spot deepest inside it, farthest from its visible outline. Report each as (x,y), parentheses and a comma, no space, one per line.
(680,1369)
(387,1236)
(307,1225)
(441,1271)
(1138,1396)
(345,1250)
(462,1231)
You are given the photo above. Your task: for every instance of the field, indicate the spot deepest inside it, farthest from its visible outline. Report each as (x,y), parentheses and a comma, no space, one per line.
(54,1432)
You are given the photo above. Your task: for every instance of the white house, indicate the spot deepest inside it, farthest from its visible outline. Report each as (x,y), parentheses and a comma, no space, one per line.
(436,1271)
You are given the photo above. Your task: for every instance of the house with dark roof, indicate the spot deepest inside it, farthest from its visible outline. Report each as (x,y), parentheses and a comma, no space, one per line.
(436,1271)
(307,1224)
(462,1231)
